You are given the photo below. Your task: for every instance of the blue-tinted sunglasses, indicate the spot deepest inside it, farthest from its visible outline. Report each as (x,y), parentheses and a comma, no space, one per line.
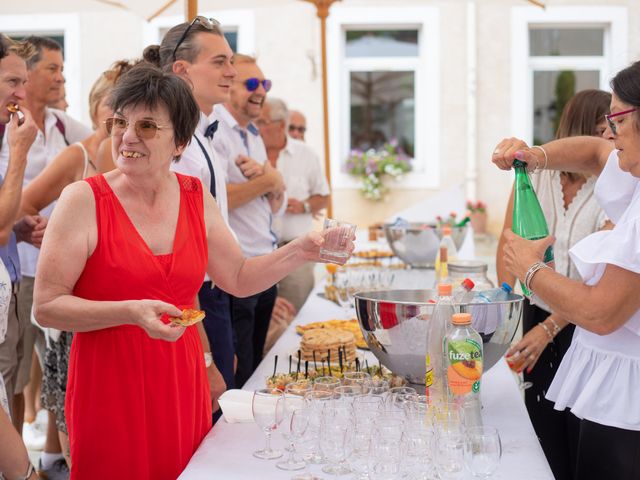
(253,83)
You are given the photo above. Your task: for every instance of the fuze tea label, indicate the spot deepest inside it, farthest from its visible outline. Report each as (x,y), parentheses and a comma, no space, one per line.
(465,366)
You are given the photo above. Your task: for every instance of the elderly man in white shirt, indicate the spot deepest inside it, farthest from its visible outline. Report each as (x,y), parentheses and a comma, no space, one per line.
(307,192)
(56,130)
(255,192)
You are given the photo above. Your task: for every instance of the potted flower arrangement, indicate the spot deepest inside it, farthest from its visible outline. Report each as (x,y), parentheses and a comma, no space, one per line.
(373,166)
(478,216)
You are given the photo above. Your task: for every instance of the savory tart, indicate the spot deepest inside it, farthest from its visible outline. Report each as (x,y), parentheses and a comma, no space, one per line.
(188,317)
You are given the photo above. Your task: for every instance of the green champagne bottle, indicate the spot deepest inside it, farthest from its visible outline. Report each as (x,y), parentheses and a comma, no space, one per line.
(528,219)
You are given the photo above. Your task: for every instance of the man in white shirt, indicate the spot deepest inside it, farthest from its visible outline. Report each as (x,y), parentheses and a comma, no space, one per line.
(203,60)
(56,130)
(297,125)
(255,193)
(307,191)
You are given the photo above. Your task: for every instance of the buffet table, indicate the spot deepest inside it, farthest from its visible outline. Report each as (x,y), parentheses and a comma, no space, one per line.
(226,452)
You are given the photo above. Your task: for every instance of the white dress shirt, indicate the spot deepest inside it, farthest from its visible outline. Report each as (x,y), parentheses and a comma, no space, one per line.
(42,152)
(252,221)
(303,177)
(599,376)
(193,162)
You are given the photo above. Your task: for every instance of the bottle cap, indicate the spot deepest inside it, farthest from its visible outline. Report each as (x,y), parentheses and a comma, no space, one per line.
(506,287)
(444,289)
(468,284)
(446,230)
(461,319)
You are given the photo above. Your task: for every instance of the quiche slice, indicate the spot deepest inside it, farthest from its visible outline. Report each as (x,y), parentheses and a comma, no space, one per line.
(188,317)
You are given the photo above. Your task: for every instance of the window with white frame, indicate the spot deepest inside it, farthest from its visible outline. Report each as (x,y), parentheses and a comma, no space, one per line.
(556,53)
(383,86)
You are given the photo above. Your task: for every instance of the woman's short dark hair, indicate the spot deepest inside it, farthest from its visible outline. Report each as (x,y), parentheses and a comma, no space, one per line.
(583,113)
(148,86)
(626,86)
(162,55)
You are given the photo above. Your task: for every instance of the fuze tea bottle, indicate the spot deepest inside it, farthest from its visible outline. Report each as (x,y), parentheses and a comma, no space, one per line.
(463,357)
(528,219)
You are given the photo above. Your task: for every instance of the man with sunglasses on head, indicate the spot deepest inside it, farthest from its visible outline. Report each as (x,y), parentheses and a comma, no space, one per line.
(256,193)
(199,54)
(297,125)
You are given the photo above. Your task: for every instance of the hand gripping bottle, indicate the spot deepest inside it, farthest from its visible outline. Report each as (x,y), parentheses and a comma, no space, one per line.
(528,219)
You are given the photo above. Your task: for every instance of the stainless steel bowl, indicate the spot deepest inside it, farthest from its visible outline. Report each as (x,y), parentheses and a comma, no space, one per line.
(416,244)
(394,325)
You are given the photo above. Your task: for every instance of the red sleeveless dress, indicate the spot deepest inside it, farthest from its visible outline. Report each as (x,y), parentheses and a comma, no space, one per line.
(137,408)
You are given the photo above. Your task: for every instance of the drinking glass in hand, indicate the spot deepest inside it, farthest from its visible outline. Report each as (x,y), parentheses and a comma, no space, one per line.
(483,451)
(267,413)
(337,240)
(515,362)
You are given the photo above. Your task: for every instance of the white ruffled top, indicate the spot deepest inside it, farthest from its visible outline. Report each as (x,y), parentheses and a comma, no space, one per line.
(599,377)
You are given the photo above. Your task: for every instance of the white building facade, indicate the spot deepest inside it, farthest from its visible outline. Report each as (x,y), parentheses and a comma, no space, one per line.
(448,79)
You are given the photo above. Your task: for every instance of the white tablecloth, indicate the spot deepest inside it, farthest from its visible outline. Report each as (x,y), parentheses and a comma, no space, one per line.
(226,452)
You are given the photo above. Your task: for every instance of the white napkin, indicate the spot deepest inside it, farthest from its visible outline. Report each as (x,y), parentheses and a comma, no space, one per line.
(236,406)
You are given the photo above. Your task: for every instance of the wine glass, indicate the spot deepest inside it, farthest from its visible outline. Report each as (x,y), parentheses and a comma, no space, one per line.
(292,399)
(515,363)
(483,451)
(417,444)
(336,442)
(449,450)
(305,439)
(361,379)
(267,413)
(344,292)
(386,448)
(326,383)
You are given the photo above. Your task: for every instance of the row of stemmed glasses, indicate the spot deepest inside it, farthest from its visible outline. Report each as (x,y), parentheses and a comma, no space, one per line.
(374,436)
(349,281)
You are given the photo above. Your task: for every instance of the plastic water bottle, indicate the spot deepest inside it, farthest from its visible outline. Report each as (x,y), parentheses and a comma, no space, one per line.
(493,295)
(447,252)
(435,380)
(463,349)
(528,218)
(463,293)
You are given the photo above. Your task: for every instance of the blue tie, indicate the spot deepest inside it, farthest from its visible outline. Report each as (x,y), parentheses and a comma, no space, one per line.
(211,129)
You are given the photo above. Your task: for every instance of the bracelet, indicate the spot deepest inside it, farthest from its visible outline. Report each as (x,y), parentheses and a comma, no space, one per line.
(546,158)
(533,269)
(556,328)
(546,329)
(208,359)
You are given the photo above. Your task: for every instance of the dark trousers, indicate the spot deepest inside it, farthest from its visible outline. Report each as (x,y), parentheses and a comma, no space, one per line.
(217,324)
(551,426)
(250,318)
(605,452)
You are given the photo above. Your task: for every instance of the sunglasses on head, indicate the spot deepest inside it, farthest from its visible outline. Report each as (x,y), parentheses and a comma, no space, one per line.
(145,129)
(252,84)
(208,23)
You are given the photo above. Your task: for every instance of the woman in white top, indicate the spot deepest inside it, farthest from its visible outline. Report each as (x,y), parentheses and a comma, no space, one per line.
(599,377)
(572,213)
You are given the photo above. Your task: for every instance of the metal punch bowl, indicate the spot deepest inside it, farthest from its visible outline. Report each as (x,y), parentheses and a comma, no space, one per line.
(394,325)
(416,243)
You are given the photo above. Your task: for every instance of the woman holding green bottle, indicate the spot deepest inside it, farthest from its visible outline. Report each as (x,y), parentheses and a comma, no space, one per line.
(599,376)
(571,212)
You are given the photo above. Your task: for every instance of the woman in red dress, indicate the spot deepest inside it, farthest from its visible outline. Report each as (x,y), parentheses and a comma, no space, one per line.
(123,251)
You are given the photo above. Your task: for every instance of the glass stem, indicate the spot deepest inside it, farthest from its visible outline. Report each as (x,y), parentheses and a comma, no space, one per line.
(291,453)
(267,435)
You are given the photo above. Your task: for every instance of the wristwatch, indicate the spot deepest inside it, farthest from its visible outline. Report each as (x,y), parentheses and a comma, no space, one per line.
(307,207)
(208,359)
(30,471)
